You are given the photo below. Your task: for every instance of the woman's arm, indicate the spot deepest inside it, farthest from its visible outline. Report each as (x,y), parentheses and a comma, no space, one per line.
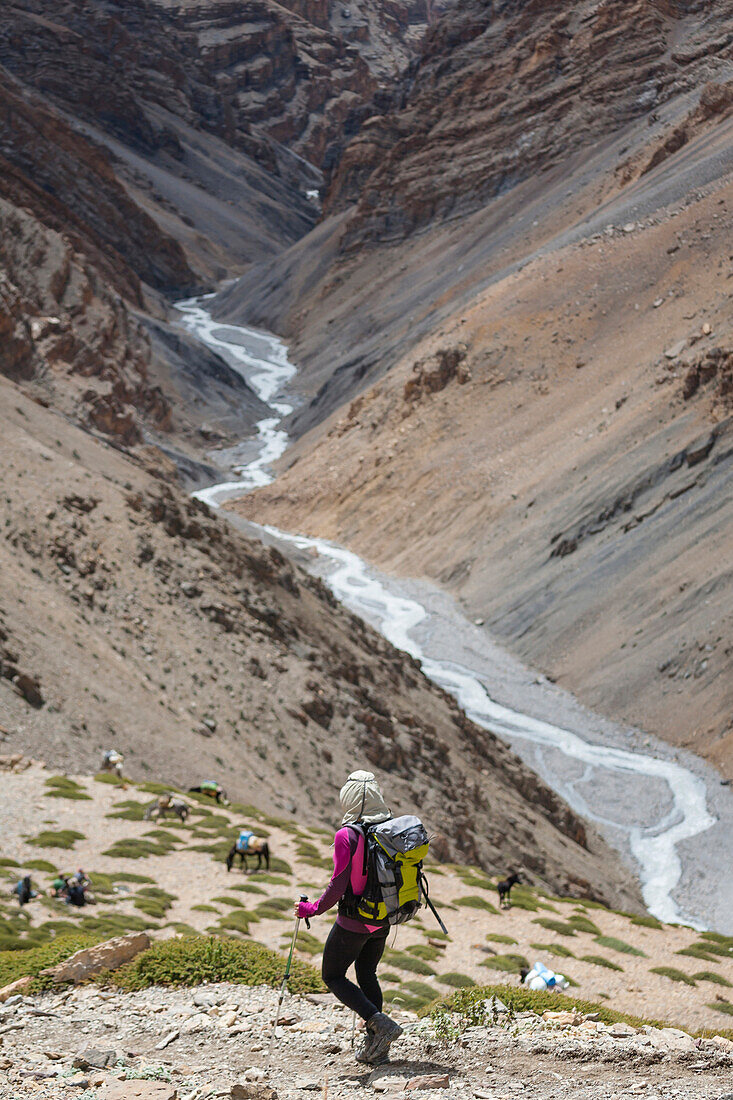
(342,853)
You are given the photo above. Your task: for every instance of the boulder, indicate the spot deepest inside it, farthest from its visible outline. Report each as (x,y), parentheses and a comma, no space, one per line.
(16,987)
(252,1090)
(428,1081)
(140,1090)
(95,960)
(94,1059)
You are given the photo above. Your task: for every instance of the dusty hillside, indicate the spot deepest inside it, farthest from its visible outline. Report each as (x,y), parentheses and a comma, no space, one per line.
(131,616)
(213,1039)
(171,878)
(542,419)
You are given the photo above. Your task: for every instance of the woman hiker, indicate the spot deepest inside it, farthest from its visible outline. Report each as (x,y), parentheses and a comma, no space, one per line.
(351,940)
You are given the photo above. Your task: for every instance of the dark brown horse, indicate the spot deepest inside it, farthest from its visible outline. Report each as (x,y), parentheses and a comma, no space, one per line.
(505,889)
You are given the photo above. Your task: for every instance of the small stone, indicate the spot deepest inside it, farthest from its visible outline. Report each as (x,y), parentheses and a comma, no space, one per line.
(620,1030)
(316,1026)
(706,329)
(658,302)
(428,1081)
(94,1059)
(228,1019)
(203,1000)
(167,1040)
(199,1022)
(676,350)
(629,227)
(304,1084)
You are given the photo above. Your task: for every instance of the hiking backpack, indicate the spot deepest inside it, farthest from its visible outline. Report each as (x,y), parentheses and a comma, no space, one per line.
(395,883)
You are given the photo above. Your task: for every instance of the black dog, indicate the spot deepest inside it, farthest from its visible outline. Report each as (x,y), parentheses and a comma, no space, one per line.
(505,889)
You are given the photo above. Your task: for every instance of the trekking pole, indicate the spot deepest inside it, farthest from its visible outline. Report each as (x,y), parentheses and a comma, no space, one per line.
(423,884)
(283,984)
(353,1029)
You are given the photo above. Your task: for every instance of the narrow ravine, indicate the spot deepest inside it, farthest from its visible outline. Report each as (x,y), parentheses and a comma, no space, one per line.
(664,804)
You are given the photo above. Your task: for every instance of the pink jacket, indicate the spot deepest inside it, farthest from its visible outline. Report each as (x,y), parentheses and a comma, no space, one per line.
(348,864)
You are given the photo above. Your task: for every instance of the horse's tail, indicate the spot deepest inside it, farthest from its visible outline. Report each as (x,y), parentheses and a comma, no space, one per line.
(266,854)
(230,857)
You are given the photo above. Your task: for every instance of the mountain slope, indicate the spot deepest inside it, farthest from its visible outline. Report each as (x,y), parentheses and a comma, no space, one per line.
(130,615)
(525,394)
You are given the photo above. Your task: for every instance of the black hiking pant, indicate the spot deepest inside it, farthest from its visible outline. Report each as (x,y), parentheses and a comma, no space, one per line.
(364,950)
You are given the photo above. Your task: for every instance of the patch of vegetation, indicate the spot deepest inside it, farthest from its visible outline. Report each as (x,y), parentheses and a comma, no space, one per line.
(673,974)
(106,925)
(109,777)
(403,961)
(131,876)
(278,868)
(473,901)
(512,964)
(61,838)
(153,901)
(129,810)
(557,949)
(159,788)
(563,928)
(698,951)
(224,900)
(711,976)
(274,909)
(308,853)
(524,898)
(475,1002)
(248,888)
(722,1006)
(238,921)
(584,924)
(458,981)
(21,964)
(717,937)
(409,1002)
(158,842)
(194,960)
(41,865)
(647,921)
(60,786)
(424,951)
(500,937)
(203,908)
(600,960)
(307,943)
(619,945)
(4,862)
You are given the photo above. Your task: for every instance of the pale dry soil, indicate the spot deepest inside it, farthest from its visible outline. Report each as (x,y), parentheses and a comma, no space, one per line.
(194,878)
(218,1035)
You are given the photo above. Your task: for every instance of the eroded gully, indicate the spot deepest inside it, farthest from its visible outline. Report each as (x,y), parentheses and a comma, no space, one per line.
(668,814)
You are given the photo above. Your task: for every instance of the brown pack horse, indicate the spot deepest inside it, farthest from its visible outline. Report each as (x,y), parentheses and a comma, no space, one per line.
(256,846)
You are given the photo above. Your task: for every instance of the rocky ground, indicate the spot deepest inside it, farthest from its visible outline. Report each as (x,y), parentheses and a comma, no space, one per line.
(214,1041)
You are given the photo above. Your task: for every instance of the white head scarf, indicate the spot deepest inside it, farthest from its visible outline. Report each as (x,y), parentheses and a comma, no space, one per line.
(361,800)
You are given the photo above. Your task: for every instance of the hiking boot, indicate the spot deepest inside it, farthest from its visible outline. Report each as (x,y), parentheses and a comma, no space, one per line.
(381,1033)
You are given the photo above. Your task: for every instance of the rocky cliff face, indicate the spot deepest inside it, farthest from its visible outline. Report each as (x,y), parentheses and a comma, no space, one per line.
(508,89)
(549,211)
